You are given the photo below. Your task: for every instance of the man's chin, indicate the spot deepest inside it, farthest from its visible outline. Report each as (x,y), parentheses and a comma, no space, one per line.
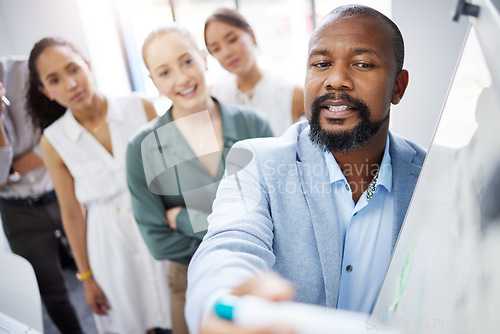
(340,138)
(336,126)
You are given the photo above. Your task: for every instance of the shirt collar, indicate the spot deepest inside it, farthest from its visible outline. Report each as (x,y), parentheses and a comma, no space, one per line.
(72,128)
(333,167)
(385,171)
(229,128)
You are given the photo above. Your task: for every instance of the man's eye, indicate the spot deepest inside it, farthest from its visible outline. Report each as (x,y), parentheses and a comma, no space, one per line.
(321,65)
(364,65)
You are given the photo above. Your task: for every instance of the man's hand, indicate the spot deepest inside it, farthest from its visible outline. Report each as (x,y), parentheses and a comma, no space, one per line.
(95,297)
(172,216)
(269,286)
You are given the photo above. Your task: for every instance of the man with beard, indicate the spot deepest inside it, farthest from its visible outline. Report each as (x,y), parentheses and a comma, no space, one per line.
(323,204)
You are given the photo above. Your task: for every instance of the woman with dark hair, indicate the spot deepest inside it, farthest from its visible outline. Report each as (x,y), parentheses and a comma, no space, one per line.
(83,146)
(43,111)
(231,40)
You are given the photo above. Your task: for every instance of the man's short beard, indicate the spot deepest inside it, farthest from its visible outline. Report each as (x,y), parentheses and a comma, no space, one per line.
(345,141)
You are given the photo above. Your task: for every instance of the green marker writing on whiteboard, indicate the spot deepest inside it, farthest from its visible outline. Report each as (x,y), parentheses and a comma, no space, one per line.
(403,277)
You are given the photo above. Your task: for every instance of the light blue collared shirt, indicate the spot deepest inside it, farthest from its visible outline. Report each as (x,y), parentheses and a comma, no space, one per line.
(367,230)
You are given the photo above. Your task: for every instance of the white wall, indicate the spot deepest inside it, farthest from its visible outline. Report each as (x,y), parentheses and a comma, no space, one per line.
(24,22)
(433,43)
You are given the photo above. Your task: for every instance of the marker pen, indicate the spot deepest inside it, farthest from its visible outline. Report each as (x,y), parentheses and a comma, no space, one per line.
(250,311)
(6,100)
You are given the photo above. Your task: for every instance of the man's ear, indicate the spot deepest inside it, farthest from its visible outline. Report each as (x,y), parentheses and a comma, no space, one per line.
(45,92)
(400,84)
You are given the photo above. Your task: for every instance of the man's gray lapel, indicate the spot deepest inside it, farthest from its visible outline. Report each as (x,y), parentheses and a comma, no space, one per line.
(317,190)
(404,178)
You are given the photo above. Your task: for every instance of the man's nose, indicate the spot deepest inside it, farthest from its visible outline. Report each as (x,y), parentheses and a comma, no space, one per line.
(338,79)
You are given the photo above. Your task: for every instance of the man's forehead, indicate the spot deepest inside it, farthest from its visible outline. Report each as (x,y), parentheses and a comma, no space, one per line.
(337,26)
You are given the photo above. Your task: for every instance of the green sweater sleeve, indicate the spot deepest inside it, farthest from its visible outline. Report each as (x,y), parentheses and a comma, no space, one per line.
(149,212)
(184,225)
(265,130)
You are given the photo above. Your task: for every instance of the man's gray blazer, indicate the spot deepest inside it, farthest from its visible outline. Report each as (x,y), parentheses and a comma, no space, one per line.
(273,210)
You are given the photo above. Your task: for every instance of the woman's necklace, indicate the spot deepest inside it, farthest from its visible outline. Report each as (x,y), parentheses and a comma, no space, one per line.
(100,121)
(96,129)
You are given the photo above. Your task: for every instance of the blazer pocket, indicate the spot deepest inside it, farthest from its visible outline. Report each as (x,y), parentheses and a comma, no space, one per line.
(93,181)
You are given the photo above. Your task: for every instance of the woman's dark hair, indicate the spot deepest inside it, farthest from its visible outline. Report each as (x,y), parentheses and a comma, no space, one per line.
(42,110)
(229,16)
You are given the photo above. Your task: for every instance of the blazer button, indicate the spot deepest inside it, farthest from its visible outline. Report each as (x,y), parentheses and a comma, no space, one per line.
(348,268)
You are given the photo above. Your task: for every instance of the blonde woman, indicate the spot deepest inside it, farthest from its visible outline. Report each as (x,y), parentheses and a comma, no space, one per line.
(188,142)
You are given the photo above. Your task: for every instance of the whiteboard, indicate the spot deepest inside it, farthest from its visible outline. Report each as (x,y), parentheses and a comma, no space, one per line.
(444,276)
